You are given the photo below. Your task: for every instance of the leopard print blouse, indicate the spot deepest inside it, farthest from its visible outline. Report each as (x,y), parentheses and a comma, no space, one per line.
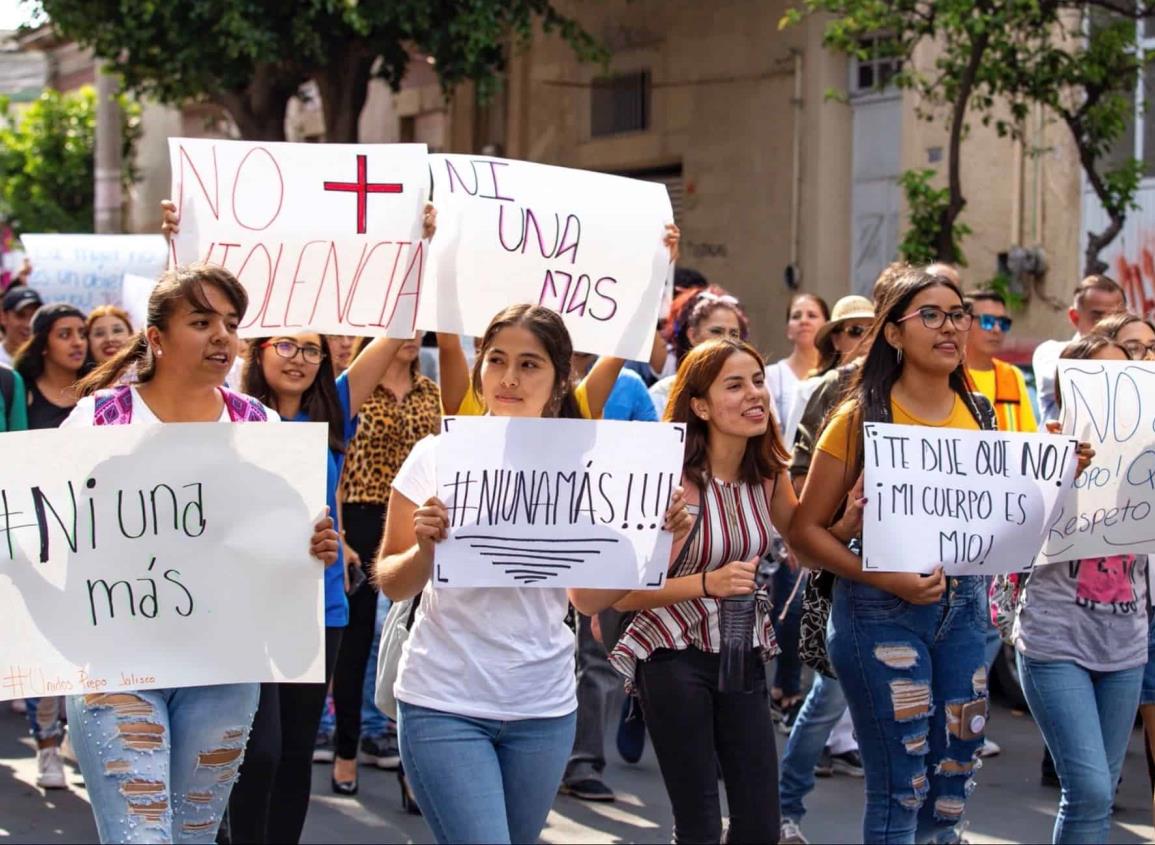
(386,432)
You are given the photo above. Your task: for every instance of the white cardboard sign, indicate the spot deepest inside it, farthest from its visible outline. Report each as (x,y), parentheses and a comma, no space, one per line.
(1111,405)
(974,502)
(324,237)
(87,270)
(556,503)
(149,556)
(588,245)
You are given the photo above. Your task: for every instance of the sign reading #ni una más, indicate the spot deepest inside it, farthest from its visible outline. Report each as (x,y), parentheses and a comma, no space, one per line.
(973,502)
(556,502)
(324,237)
(1109,511)
(138,557)
(588,245)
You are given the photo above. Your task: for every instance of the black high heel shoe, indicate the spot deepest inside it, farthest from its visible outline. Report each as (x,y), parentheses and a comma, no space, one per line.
(344,787)
(408,802)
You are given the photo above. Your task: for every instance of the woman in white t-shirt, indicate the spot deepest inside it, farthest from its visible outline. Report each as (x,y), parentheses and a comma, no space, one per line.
(144,754)
(808,313)
(485,688)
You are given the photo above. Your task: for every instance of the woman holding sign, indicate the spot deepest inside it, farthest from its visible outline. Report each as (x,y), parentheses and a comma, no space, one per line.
(696,646)
(908,648)
(485,688)
(159,764)
(1081,635)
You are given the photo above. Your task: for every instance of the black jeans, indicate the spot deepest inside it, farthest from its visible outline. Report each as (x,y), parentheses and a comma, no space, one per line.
(364,525)
(694,728)
(271,795)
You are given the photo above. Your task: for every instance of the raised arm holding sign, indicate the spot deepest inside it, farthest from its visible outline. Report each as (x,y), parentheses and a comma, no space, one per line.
(324,237)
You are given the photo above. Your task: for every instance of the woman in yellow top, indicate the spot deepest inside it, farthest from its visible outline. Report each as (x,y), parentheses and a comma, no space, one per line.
(908,648)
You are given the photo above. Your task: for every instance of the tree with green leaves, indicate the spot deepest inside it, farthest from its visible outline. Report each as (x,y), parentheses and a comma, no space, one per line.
(994,60)
(47,160)
(251,56)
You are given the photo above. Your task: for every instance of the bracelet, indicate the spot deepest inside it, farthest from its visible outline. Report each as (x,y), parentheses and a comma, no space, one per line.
(705,591)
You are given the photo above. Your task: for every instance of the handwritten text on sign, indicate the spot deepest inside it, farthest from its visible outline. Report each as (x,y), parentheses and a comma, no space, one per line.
(136,557)
(556,503)
(86,270)
(588,245)
(324,237)
(1111,405)
(976,502)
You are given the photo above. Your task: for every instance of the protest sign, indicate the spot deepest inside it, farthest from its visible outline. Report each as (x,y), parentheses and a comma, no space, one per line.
(556,503)
(1109,509)
(138,557)
(588,245)
(324,237)
(975,502)
(87,270)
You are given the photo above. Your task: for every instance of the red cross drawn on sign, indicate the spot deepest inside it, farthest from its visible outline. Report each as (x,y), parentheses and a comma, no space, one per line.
(362,188)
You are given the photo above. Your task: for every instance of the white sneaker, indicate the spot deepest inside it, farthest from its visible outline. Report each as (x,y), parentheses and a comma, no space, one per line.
(49,769)
(990,748)
(791,834)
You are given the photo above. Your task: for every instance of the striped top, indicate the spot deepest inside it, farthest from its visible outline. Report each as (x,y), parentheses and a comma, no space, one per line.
(735,526)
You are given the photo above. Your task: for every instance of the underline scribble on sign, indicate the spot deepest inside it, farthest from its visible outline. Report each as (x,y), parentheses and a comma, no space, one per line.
(529,564)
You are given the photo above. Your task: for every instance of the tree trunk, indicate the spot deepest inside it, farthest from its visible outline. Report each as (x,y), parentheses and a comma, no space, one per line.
(945,246)
(344,86)
(259,108)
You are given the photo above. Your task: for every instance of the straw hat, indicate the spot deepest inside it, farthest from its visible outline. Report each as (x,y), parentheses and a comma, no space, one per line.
(846,309)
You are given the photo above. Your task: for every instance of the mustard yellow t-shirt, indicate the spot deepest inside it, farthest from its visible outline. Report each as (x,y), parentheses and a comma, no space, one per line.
(838,441)
(984,381)
(472,406)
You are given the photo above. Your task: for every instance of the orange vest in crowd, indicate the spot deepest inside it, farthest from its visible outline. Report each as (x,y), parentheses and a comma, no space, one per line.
(1008,397)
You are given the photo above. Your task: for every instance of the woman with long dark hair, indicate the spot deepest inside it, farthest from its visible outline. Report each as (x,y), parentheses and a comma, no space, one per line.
(51,362)
(485,688)
(909,649)
(140,781)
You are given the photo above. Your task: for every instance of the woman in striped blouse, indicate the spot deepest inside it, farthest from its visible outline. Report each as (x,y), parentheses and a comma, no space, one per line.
(735,473)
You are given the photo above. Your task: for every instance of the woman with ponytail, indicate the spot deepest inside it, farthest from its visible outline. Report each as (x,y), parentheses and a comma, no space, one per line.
(141,781)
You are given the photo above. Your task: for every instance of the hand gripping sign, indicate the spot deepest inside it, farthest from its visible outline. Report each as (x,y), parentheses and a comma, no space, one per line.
(324,237)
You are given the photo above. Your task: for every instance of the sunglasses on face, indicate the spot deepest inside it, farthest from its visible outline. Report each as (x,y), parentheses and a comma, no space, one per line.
(310,353)
(1137,351)
(987,323)
(935,318)
(853,331)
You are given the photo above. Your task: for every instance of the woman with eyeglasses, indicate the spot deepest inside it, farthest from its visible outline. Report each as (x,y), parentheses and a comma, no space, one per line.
(293,375)
(909,649)
(1134,334)
(1001,382)
(699,315)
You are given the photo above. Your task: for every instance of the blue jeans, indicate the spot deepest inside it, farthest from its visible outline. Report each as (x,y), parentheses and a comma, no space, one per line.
(915,679)
(788,665)
(820,713)
(481,780)
(44,719)
(160,764)
(1086,719)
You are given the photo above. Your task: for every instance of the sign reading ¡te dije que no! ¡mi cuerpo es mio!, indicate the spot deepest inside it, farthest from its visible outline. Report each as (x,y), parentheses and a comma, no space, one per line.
(324,237)
(556,502)
(138,557)
(974,502)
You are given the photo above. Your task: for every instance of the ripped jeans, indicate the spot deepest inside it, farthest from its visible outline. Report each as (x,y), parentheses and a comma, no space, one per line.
(915,679)
(44,719)
(159,764)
